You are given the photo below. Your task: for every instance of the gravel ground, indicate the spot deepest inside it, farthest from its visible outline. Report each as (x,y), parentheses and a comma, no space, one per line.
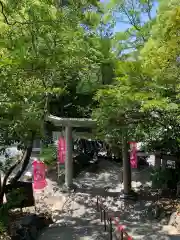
(75,214)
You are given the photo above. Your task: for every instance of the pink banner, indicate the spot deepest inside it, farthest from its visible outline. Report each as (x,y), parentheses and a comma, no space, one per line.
(39,170)
(133,154)
(61,150)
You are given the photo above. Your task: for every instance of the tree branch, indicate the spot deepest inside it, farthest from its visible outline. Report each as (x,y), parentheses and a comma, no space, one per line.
(132,20)
(6,178)
(25,159)
(4,15)
(6,20)
(149,10)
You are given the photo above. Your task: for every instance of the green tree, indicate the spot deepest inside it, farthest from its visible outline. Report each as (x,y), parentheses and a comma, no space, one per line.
(122,111)
(120,116)
(78,101)
(44,54)
(160,61)
(147,86)
(143,103)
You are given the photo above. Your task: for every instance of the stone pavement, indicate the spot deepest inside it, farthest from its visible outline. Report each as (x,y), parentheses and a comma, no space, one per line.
(82,230)
(76,218)
(68,233)
(75,228)
(89,231)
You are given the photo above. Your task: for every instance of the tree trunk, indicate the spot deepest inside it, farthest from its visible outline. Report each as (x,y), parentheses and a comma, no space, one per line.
(25,161)
(5,180)
(164,164)
(157,161)
(126,165)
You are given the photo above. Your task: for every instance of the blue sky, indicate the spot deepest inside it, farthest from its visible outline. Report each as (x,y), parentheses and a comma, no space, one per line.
(121,26)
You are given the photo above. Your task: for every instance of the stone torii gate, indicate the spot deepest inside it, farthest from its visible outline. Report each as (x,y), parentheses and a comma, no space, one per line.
(69,123)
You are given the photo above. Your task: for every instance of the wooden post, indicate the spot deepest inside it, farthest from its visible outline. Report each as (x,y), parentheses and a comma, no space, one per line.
(157,161)
(97,204)
(104,215)
(164,163)
(121,235)
(110,229)
(126,164)
(68,160)
(58,170)
(101,213)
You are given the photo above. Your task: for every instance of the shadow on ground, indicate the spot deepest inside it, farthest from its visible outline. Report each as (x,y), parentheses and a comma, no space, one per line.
(70,228)
(80,213)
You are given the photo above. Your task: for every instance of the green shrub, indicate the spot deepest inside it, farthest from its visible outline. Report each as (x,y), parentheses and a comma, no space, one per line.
(168,177)
(2,227)
(16,197)
(49,154)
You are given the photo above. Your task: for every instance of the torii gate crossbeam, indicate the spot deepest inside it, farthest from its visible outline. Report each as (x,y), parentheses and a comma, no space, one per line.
(69,123)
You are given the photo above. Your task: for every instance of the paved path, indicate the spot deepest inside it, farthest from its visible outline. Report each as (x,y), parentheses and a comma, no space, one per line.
(73,227)
(76,217)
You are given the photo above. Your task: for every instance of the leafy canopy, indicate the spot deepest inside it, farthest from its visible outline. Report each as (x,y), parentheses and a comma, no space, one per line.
(144,98)
(42,47)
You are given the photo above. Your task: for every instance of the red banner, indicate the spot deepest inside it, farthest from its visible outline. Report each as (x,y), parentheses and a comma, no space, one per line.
(39,178)
(133,154)
(61,150)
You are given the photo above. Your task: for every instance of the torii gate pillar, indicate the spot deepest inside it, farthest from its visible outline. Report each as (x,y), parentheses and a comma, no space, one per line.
(68,161)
